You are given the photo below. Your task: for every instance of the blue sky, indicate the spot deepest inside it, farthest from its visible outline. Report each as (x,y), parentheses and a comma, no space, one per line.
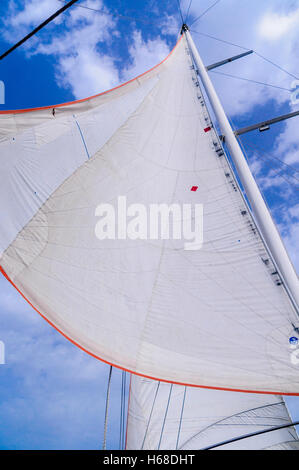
(52,394)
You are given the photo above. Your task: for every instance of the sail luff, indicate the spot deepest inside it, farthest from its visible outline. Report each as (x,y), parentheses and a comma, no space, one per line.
(262,215)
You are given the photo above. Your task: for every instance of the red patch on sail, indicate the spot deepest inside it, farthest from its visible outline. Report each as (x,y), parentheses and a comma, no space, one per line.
(207,129)
(194,188)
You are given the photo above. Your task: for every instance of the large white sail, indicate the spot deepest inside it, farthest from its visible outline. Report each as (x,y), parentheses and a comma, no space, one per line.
(215,317)
(164,416)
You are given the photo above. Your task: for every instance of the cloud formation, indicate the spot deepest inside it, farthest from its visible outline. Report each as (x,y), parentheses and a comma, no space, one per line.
(82,64)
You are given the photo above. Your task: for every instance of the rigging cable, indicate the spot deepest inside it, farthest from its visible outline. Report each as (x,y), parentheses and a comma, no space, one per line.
(222,421)
(150,416)
(121,412)
(181,418)
(246,49)
(124,17)
(220,40)
(257,82)
(124,410)
(206,11)
(186,17)
(277,171)
(165,415)
(38,28)
(276,65)
(106,409)
(180,10)
(250,80)
(258,433)
(292,168)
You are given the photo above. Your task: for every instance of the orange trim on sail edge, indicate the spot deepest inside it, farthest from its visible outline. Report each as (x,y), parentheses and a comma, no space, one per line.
(27,110)
(138,373)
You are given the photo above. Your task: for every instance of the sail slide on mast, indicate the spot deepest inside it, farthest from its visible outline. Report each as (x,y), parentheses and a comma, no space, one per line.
(216,317)
(172,417)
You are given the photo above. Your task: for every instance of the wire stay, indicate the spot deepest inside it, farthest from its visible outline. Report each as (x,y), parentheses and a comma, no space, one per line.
(245,436)
(119,15)
(180,11)
(266,156)
(206,11)
(250,80)
(38,28)
(246,49)
(107,408)
(186,17)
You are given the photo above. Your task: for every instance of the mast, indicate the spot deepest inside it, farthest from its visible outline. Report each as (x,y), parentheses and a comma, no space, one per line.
(263,217)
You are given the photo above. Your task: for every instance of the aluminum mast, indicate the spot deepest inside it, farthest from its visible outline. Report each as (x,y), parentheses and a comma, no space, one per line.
(260,211)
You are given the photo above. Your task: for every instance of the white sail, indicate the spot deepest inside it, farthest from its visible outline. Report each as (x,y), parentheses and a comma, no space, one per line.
(164,416)
(215,317)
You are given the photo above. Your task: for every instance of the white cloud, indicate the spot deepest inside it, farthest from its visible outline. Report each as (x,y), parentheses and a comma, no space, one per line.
(290,230)
(144,54)
(81,66)
(21,21)
(274,25)
(33,13)
(287,143)
(170,25)
(87,71)
(294,212)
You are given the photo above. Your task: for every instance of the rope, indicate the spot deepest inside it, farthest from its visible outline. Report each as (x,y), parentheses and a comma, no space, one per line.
(181,418)
(38,28)
(106,409)
(150,416)
(164,420)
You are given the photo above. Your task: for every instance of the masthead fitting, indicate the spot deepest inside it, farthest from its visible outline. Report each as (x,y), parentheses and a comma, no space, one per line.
(184,28)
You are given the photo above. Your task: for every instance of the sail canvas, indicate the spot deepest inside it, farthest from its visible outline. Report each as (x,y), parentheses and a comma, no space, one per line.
(166,416)
(218,316)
